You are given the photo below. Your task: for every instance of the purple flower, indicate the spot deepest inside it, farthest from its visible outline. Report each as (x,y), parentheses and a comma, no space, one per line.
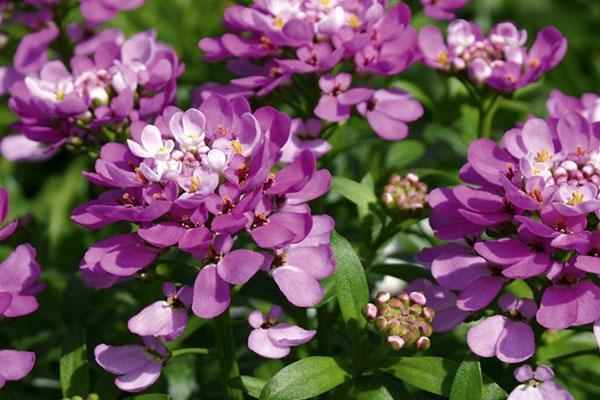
(442,9)
(588,106)
(563,306)
(137,367)
(18,148)
(19,273)
(273,339)
(303,136)
(499,60)
(110,81)
(164,319)
(15,365)
(99,11)
(388,111)
(289,42)
(537,385)
(195,181)
(508,338)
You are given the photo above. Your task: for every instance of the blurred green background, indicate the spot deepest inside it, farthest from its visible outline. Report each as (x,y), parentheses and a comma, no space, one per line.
(43,194)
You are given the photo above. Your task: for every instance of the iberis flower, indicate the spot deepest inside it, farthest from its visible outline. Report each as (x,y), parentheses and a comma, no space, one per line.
(537,385)
(19,273)
(111,82)
(529,211)
(273,339)
(38,17)
(203,181)
(499,60)
(300,42)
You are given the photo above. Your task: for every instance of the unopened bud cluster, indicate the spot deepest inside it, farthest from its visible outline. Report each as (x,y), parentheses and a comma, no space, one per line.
(406,193)
(403,318)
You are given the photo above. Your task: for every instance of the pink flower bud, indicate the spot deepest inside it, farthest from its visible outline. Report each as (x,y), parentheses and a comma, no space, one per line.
(395,342)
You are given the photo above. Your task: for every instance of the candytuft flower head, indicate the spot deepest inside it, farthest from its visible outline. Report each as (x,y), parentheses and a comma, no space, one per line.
(527,213)
(110,83)
(406,193)
(499,60)
(273,339)
(404,319)
(301,43)
(197,181)
(537,385)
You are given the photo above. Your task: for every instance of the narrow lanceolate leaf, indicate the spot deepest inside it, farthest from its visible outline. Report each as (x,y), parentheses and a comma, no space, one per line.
(305,379)
(380,387)
(74,374)
(353,191)
(436,375)
(248,384)
(468,382)
(351,286)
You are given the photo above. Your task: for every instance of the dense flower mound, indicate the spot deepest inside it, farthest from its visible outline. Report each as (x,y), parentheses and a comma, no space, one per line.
(530,212)
(200,180)
(275,43)
(39,17)
(19,273)
(499,60)
(111,82)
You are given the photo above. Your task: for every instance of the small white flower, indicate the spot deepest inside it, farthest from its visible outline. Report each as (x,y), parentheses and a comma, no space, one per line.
(152,145)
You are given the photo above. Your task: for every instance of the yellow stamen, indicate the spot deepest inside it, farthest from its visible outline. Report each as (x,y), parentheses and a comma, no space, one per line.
(194,184)
(325,3)
(443,58)
(354,21)
(576,198)
(60,95)
(279,22)
(534,63)
(543,155)
(237,147)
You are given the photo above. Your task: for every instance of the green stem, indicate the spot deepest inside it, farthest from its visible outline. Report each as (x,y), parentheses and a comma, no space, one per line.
(226,347)
(486,117)
(372,358)
(190,350)
(564,357)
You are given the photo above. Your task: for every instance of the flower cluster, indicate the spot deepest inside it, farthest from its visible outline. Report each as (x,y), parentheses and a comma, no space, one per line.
(19,273)
(499,60)
(39,17)
(406,193)
(111,82)
(275,43)
(404,319)
(199,180)
(530,212)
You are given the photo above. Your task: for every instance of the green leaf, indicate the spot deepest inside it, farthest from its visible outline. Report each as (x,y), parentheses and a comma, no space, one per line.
(435,375)
(468,382)
(74,374)
(150,396)
(406,272)
(305,379)
(353,191)
(380,387)
(432,374)
(403,153)
(248,384)
(351,287)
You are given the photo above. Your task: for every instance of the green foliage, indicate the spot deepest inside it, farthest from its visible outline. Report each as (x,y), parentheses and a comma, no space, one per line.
(468,382)
(74,374)
(305,379)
